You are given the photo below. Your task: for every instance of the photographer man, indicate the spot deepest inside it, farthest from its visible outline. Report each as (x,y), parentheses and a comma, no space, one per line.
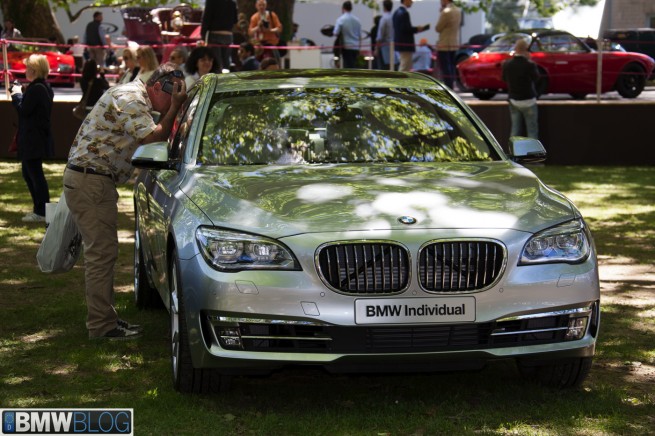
(99,159)
(265,27)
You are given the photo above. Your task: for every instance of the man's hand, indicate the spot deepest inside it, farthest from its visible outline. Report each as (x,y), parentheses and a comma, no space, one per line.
(16,89)
(179,96)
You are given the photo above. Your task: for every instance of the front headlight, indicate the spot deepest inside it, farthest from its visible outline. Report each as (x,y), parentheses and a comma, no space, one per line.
(569,243)
(233,251)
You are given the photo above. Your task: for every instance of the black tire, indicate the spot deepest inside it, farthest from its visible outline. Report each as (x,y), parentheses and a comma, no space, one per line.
(145,296)
(483,94)
(186,378)
(578,95)
(631,81)
(542,83)
(559,374)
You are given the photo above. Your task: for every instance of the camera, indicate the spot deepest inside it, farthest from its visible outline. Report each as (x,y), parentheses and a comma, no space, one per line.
(265,24)
(167,87)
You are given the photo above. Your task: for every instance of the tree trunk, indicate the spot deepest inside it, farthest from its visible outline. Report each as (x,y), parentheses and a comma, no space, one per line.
(283,9)
(33,18)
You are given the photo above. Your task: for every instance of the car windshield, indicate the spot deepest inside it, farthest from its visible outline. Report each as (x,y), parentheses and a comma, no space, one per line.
(339,125)
(506,43)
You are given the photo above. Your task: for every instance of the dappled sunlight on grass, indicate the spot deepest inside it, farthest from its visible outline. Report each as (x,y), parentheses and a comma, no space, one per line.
(42,335)
(47,360)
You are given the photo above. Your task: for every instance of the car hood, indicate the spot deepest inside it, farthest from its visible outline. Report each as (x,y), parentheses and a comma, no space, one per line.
(286,200)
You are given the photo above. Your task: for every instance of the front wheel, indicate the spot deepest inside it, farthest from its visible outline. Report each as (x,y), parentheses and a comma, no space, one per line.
(631,81)
(186,378)
(558,374)
(145,296)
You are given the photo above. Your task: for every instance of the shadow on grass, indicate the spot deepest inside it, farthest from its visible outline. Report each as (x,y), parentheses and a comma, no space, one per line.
(46,360)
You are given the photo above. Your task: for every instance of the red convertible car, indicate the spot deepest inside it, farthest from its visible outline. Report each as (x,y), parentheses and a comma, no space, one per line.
(566,65)
(62,66)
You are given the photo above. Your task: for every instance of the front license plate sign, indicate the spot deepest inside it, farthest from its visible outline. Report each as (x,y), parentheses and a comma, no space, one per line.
(414,310)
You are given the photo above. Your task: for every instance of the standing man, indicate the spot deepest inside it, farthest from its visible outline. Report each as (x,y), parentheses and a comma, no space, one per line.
(385,37)
(99,159)
(521,76)
(94,37)
(218,19)
(350,29)
(448,26)
(403,34)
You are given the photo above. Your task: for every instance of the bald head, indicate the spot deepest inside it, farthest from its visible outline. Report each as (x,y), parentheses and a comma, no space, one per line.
(521,46)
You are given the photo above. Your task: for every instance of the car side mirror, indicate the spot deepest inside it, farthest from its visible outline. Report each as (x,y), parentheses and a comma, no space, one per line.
(526,150)
(153,156)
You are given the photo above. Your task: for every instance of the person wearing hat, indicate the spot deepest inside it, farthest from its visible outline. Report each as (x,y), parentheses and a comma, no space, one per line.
(422,58)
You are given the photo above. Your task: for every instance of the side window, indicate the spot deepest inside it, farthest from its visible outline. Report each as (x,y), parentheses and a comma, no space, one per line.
(181,126)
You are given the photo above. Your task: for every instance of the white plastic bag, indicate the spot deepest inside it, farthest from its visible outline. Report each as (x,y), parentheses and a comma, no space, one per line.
(62,243)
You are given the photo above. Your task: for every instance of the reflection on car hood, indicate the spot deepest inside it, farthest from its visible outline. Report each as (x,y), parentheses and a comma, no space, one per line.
(284,200)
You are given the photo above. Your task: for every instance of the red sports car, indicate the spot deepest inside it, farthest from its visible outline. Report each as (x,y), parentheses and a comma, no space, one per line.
(566,65)
(62,66)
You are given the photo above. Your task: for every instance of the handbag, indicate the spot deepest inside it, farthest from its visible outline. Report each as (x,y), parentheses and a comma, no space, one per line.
(62,243)
(79,111)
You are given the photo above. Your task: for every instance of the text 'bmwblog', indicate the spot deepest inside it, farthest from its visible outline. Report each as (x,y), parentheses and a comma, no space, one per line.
(67,421)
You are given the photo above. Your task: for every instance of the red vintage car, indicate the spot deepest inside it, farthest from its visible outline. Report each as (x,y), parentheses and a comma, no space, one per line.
(566,65)
(62,66)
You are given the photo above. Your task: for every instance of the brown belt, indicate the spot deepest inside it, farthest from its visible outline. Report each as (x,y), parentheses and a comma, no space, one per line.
(86,170)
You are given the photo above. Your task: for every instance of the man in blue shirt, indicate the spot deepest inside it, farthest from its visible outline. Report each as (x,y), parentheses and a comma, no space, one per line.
(422,58)
(350,29)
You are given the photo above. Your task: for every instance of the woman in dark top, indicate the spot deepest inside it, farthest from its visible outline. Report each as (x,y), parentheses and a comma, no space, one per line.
(91,75)
(34,134)
(200,62)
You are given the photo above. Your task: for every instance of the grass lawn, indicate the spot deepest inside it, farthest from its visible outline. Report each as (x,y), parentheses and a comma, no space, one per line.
(46,359)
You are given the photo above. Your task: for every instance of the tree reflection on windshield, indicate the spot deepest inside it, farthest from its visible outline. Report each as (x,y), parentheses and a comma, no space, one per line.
(338,125)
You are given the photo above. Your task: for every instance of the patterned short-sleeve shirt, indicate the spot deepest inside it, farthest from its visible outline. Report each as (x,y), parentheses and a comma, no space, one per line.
(110,134)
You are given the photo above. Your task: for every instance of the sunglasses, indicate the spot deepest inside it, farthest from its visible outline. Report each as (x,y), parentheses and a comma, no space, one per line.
(167,85)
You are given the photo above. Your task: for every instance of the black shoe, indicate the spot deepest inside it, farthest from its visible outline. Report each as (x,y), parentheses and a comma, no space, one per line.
(129,326)
(120,334)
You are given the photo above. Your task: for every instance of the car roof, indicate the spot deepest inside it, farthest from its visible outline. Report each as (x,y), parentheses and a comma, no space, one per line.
(320,78)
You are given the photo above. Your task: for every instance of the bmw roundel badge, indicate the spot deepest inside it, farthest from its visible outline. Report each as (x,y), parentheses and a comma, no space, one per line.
(407,220)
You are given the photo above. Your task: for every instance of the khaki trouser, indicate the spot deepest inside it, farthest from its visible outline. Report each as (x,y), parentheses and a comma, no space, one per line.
(92,200)
(97,54)
(405,61)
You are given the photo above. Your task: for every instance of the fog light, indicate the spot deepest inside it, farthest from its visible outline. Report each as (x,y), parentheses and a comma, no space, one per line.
(576,328)
(230,337)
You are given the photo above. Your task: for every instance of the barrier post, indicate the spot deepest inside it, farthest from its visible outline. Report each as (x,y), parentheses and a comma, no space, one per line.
(599,69)
(392,55)
(5,65)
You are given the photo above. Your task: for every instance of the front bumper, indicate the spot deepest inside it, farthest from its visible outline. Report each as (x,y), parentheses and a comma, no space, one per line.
(256,322)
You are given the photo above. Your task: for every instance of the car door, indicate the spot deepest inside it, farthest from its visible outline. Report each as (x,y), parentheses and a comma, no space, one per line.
(569,64)
(160,194)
